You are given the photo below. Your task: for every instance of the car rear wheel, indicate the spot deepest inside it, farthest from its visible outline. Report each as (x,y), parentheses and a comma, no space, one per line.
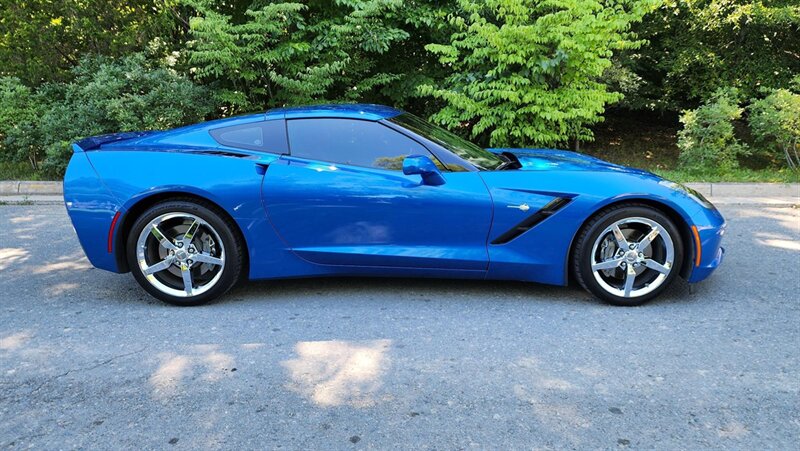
(184,252)
(628,254)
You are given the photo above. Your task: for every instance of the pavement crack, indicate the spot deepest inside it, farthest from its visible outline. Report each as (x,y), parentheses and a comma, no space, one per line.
(86,368)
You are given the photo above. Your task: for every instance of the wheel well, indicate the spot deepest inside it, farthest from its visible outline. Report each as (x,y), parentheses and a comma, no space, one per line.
(133,213)
(683,229)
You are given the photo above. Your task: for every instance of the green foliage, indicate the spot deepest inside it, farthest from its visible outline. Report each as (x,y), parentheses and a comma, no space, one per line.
(526,72)
(110,96)
(707,140)
(279,53)
(10,170)
(699,46)
(105,96)
(20,110)
(41,40)
(506,72)
(714,175)
(775,122)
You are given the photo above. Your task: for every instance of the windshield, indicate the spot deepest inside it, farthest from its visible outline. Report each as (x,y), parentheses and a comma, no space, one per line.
(480,158)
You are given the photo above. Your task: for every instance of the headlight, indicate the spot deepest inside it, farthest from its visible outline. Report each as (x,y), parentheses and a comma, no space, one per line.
(694,194)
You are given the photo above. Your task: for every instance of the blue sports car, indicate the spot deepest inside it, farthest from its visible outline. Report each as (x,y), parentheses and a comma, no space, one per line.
(368,190)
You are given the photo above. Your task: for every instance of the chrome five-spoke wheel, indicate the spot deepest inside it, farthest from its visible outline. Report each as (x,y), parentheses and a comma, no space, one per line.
(184,253)
(632,257)
(180,254)
(628,254)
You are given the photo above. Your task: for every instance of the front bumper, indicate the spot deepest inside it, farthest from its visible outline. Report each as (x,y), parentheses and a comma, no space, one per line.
(711,228)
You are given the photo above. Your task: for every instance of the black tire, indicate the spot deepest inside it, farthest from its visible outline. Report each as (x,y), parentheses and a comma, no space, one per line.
(224,228)
(581,261)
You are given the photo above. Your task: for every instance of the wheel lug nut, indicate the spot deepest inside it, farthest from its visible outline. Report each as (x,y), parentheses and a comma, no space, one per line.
(631,246)
(189,262)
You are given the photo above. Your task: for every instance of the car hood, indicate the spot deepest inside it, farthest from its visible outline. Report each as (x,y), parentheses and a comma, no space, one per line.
(553,159)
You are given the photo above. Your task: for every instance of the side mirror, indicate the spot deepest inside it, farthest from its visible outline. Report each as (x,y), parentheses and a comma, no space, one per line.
(422,165)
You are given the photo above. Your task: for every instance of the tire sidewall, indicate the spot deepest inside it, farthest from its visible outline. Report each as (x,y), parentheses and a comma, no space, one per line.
(584,263)
(233,258)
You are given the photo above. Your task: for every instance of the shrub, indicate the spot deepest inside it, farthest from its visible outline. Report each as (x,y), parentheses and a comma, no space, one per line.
(109,96)
(20,109)
(775,122)
(707,139)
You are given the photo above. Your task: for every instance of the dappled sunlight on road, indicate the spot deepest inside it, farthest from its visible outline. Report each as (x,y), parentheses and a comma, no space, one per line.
(784,227)
(538,387)
(733,429)
(202,362)
(335,373)
(788,218)
(61,289)
(14,341)
(55,258)
(780,243)
(22,219)
(12,256)
(46,268)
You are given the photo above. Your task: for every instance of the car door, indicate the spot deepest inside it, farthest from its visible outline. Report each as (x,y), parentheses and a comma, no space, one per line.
(341,198)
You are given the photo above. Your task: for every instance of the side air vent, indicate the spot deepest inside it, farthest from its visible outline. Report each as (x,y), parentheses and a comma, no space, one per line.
(532,220)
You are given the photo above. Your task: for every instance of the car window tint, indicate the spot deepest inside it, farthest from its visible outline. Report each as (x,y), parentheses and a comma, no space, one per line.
(268,136)
(352,142)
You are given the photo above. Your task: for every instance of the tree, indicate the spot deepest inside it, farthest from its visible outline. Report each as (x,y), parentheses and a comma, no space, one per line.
(699,46)
(526,72)
(277,53)
(41,40)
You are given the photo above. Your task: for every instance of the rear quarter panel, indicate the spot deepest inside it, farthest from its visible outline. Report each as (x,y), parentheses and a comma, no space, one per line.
(91,207)
(132,176)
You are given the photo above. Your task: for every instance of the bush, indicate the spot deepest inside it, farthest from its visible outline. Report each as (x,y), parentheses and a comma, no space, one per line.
(20,109)
(775,122)
(707,140)
(108,96)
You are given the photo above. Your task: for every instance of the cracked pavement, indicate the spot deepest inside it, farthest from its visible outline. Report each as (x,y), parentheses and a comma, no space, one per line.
(88,360)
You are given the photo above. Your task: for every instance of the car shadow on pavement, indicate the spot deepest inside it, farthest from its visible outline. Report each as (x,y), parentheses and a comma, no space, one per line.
(425,290)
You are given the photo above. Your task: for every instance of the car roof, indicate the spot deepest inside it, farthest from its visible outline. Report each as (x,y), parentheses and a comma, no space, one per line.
(345,110)
(197,134)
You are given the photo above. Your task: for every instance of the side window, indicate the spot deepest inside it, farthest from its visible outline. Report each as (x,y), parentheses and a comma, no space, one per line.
(353,142)
(266,136)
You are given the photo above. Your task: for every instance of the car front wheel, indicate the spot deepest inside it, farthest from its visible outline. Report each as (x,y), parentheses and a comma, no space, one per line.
(184,252)
(628,254)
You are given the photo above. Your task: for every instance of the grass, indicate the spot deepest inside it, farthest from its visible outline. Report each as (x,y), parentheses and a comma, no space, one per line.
(734,175)
(650,143)
(18,171)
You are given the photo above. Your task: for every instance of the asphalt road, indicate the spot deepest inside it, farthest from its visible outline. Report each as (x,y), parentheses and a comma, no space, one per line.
(88,360)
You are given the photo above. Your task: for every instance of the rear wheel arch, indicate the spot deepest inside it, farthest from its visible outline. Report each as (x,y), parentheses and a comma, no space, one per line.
(680,222)
(128,219)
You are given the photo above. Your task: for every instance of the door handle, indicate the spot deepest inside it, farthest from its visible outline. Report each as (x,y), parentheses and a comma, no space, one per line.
(522,207)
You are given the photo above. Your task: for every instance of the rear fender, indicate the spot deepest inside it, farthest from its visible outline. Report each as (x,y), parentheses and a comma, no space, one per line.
(92,208)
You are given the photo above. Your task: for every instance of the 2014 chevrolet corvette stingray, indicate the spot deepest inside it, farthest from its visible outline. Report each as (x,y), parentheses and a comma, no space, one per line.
(368,190)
